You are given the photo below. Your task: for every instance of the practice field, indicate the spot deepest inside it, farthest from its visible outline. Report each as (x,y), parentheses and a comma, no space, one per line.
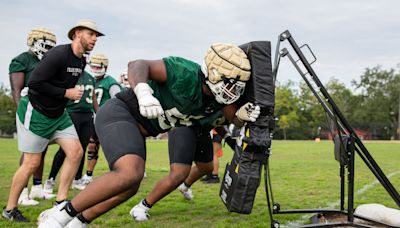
(304,175)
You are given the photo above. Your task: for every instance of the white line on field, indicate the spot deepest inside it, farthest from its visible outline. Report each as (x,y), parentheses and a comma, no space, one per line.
(365,188)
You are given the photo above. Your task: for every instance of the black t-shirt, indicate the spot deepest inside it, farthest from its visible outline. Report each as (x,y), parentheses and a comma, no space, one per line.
(59,70)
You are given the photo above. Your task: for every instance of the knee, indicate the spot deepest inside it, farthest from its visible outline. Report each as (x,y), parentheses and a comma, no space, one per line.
(130,180)
(31,165)
(76,153)
(206,168)
(177,178)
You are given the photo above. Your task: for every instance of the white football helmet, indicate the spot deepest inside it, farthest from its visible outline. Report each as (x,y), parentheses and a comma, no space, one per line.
(227,69)
(98,65)
(40,40)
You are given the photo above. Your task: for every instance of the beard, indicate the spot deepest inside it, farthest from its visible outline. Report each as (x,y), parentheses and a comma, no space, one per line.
(86,46)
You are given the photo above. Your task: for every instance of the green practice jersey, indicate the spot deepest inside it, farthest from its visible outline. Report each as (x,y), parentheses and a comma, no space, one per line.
(87,83)
(103,88)
(182,98)
(25,63)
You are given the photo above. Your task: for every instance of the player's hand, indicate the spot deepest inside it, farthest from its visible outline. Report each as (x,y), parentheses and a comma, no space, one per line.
(248,112)
(149,106)
(74,93)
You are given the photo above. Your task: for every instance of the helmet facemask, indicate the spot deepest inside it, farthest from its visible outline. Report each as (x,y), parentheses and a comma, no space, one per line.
(98,65)
(41,46)
(98,70)
(226,69)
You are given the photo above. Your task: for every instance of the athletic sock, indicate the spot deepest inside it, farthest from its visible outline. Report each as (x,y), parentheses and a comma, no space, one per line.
(187,185)
(146,204)
(37,181)
(83,219)
(57,202)
(89,173)
(70,209)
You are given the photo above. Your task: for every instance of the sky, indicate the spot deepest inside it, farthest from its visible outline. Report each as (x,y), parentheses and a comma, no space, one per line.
(347,36)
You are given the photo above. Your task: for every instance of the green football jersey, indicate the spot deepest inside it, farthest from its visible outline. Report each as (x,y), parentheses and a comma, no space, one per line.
(182,98)
(25,62)
(103,88)
(87,83)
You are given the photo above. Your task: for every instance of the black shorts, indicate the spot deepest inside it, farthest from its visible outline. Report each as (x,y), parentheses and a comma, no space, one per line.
(118,132)
(188,144)
(83,122)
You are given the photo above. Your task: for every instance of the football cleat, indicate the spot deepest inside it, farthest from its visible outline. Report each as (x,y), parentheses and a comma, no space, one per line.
(14,215)
(49,185)
(140,212)
(78,184)
(25,200)
(186,192)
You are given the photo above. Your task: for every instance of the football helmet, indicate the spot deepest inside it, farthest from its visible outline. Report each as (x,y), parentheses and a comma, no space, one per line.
(40,40)
(227,69)
(98,65)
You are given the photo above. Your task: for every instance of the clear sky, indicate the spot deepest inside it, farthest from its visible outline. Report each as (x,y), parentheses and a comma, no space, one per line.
(346,35)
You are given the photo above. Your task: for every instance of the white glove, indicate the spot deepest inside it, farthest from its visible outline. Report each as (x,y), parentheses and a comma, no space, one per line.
(149,106)
(248,112)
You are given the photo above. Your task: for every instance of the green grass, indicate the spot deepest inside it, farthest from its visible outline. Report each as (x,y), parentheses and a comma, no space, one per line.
(304,175)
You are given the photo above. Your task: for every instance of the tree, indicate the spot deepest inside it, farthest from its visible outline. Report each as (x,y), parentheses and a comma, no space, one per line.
(7,112)
(286,108)
(380,94)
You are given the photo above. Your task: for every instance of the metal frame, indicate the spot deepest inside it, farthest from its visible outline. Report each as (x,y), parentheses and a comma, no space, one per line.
(343,127)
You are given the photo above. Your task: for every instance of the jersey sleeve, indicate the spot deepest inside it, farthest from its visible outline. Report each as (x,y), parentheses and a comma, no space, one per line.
(18,64)
(43,72)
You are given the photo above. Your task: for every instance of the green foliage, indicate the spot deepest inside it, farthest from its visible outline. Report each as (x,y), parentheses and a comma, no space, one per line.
(7,111)
(375,109)
(380,94)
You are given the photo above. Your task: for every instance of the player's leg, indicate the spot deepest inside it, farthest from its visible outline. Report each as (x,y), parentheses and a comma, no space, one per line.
(203,159)
(84,126)
(37,190)
(32,145)
(181,147)
(124,149)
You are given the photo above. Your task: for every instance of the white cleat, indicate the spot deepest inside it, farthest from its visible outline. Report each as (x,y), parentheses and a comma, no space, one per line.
(49,185)
(56,217)
(140,212)
(38,192)
(186,192)
(77,184)
(76,223)
(86,179)
(25,200)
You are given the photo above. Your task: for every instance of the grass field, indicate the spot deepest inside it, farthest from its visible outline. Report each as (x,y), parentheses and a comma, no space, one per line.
(304,175)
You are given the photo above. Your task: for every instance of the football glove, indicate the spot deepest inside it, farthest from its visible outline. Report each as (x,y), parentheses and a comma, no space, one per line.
(149,106)
(248,112)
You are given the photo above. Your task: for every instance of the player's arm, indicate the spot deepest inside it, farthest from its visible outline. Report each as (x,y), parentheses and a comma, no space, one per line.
(139,72)
(229,112)
(114,89)
(144,70)
(238,116)
(17,84)
(95,103)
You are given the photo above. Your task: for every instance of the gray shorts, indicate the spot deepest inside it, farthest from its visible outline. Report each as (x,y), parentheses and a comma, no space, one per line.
(28,142)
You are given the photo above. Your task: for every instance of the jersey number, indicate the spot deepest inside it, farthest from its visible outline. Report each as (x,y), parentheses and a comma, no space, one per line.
(174,118)
(89,89)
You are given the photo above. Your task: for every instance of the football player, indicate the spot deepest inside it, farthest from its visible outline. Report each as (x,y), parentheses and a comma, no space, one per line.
(39,41)
(106,87)
(167,93)
(42,118)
